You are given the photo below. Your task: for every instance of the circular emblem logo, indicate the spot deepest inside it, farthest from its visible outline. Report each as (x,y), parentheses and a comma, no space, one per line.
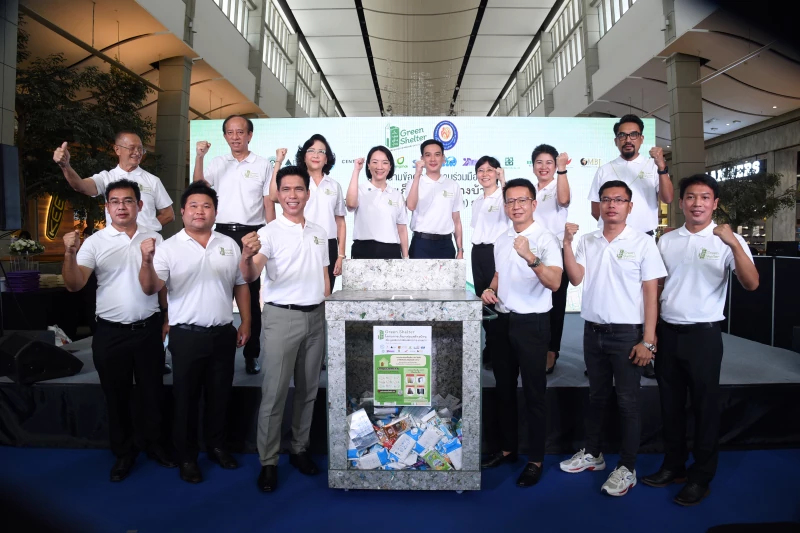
(446,133)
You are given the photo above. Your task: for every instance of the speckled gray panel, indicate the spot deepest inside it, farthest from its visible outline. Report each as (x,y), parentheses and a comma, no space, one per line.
(404,480)
(403,274)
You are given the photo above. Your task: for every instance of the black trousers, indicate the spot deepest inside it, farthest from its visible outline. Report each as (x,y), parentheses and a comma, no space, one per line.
(333,255)
(558,311)
(253,347)
(202,362)
(370,249)
(607,360)
(429,249)
(483,270)
(689,360)
(120,356)
(521,348)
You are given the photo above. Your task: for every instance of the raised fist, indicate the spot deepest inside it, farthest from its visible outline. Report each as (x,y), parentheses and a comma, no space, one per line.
(420,165)
(570,230)
(251,244)
(280,155)
(562,161)
(202,148)
(657,153)
(522,247)
(72,241)
(725,233)
(501,175)
(148,250)
(61,155)
(358,164)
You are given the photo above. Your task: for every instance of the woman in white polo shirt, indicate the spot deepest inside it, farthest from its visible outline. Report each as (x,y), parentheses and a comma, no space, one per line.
(380,210)
(552,205)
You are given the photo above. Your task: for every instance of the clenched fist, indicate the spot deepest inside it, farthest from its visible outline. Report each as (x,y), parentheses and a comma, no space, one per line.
(657,153)
(419,166)
(570,230)
(562,161)
(358,164)
(202,148)
(251,244)
(280,155)
(61,156)
(501,175)
(523,249)
(725,233)
(148,250)
(72,241)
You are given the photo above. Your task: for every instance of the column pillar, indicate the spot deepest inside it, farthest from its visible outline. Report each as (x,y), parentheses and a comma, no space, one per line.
(255,37)
(685,124)
(502,109)
(782,227)
(172,131)
(291,75)
(522,102)
(591,35)
(9,10)
(548,72)
(316,89)
(331,108)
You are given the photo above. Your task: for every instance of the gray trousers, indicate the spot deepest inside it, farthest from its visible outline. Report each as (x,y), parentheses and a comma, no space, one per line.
(294,346)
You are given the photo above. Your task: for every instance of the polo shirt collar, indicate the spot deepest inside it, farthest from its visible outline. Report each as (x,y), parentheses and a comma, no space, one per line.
(114,232)
(285,222)
(626,233)
(496,193)
(251,157)
(429,180)
(639,159)
(530,230)
(705,232)
(548,186)
(183,236)
(136,171)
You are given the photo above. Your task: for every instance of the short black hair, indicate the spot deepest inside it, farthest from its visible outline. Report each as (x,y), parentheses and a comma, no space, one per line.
(249,123)
(300,156)
(520,182)
(120,133)
(494,163)
(699,179)
(199,187)
(293,171)
(615,183)
(428,143)
(124,184)
(632,119)
(544,149)
(389,156)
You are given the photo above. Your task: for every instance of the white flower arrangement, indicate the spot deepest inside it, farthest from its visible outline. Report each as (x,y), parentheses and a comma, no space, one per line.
(25,247)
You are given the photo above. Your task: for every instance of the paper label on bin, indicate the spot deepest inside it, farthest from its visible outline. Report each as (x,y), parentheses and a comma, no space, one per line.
(402,365)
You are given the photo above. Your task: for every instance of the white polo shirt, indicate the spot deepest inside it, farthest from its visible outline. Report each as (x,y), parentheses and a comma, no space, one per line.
(613,275)
(199,280)
(378,214)
(325,203)
(489,219)
(697,275)
(296,256)
(241,187)
(437,202)
(551,215)
(641,175)
(116,260)
(154,195)
(518,286)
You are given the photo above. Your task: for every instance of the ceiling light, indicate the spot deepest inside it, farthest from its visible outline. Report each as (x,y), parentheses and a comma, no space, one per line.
(727,124)
(667,146)
(774,107)
(737,121)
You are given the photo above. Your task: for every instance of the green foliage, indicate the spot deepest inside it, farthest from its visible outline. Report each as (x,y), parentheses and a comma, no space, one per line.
(745,200)
(84,107)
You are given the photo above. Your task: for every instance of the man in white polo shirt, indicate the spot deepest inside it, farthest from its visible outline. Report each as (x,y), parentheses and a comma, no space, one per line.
(200,269)
(529,267)
(620,267)
(128,342)
(435,203)
(698,257)
(156,203)
(295,252)
(241,179)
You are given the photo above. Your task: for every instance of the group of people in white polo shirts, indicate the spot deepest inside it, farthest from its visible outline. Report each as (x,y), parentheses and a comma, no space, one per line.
(642,301)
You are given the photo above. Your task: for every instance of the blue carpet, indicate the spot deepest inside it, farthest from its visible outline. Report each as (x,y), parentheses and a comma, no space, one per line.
(70,488)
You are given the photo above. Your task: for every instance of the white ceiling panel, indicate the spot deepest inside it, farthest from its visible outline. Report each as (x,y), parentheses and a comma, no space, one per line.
(485,65)
(296,5)
(420,28)
(513,21)
(345,66)
(484,81)
(500,46)
(340,83)
(323,47)
(356,95)
(327,22)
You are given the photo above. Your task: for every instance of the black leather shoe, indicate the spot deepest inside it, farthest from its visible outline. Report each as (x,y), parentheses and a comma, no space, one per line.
(530,476)
(649,371)
(496,459)
(122,467)
(222,458)
(665,477)
(251,365)
(167,369)
(552,368)
(303,462)
(190,472)
(691,494)
(160,456)
(268,478)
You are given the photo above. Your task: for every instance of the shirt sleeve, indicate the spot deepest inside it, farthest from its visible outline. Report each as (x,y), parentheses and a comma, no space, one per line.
(729,263)
(402,212)
(211,172)
(162,198)
(266,243)
(580,251)
(100,179)
(551,255)
(268,178)
(339,209)
(326,260)
(161,263)
(457,200)
(238,256)
(594,189)
(87,256)
(652,264)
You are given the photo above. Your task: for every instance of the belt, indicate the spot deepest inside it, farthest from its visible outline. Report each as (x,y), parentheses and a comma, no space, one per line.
(482,245)
(239,227)
(614,328)
(293,307)
(688,327)
(201,329)
(432,236)
(133,325)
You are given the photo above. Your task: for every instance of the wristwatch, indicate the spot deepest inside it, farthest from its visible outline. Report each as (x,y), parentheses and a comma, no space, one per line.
(662,172)
(651,347)
(536,263)
(562,172)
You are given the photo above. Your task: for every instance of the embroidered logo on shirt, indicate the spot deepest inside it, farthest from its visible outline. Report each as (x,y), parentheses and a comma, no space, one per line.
(393,204)
(317,240)
(142,188)
(622,254)
(546,197)
(708,255)
(447,194)
(223,251)
(329,192)
(250,174)
(493,209)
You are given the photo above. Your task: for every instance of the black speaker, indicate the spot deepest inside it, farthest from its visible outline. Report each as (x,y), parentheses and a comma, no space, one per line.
(27,360)
(10,208)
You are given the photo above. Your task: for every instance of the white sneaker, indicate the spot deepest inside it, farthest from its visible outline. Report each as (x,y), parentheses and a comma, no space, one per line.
(619,482)
(583,461)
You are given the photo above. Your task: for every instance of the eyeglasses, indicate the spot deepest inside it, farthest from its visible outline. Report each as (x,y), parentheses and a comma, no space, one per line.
(522,201)
(615,201)
(115,202)
(634,135)
(133,149)
(489,170)
(311,151)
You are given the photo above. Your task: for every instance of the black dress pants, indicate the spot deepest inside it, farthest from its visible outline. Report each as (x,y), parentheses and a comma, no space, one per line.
(689,360)
(371,249)
(202,362)
(120,357)
(431,249)
(483,270)
(521,348)
(253,347)
(558,311)
(333,255)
